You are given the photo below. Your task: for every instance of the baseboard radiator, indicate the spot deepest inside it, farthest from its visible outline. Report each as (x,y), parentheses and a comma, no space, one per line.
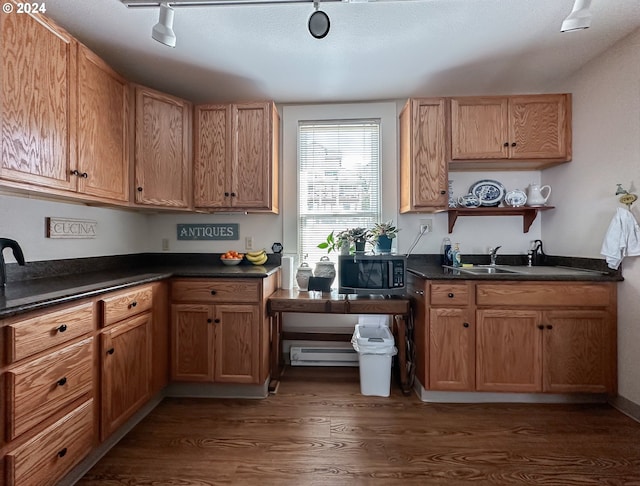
(322,356)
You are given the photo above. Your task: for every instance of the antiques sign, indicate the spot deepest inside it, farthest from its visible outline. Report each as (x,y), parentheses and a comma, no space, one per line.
(71,228)
(226,231)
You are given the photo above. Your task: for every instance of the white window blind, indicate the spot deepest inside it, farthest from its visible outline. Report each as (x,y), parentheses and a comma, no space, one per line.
(339,180)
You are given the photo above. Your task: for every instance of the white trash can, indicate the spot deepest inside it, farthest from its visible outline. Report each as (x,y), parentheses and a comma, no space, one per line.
(375,347)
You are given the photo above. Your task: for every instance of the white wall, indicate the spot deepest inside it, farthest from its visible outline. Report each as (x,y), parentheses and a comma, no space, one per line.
(606,148)
(23,219)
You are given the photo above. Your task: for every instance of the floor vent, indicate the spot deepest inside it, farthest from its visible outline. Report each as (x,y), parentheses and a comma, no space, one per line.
(322,356)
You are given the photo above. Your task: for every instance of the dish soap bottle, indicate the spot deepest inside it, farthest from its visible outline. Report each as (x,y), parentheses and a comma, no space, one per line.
(446,252)
(456,256)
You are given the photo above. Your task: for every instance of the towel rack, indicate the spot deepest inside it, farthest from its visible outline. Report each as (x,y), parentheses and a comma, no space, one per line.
(625,196)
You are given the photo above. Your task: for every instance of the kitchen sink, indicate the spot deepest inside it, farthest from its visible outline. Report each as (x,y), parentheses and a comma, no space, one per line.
(482,270)
(524,270)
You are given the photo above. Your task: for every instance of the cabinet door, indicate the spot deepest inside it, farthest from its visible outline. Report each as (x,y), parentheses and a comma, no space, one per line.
(212,156)
(539,127)
(38,71)
(103,121)
(252,173)
(417,290)
(451,349)
(479,128)
(577,351)
(423,155)
(192,342)
(162,150)
(237,343)
(126,371)
(509,350)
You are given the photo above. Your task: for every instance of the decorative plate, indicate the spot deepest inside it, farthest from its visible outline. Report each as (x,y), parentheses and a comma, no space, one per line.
(490,192)
(515,198)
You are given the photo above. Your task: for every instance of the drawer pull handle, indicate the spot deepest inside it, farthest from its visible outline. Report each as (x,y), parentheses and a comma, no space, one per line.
(209,321)
(62,381)
(134,303)
(451,295)
(540,326)
(111,350)
(62,452)
(217,321)
(84,175)
(513,144)
(506,144)
(213,292)
(466,324)
(61,328)
(549,326)
(75,172)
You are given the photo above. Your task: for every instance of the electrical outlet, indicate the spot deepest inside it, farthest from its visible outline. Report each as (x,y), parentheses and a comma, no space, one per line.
(165,244)
(248,242)
(426,223)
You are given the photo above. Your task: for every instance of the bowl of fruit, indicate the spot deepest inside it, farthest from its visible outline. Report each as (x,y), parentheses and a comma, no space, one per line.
(231,257)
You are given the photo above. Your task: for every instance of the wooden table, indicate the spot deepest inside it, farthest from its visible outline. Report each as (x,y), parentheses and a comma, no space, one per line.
(334,303)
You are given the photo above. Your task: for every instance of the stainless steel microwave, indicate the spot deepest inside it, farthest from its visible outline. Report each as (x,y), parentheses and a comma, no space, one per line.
(372,274)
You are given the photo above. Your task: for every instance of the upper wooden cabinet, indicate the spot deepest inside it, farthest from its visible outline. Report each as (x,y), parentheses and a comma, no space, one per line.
(103,133)
(510,132)
(162,158)
(236,157)
(37,96)
(423,155)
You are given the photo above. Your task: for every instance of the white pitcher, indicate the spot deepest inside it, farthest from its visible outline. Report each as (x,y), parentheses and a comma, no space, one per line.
(535,196)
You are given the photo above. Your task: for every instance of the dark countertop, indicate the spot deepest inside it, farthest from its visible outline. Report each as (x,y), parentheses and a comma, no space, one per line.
(43,284)
(33,294)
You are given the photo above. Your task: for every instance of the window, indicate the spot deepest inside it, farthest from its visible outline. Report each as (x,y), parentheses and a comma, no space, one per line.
(339,180)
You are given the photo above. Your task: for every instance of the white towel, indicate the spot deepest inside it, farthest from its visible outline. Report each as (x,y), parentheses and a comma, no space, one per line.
(622,238)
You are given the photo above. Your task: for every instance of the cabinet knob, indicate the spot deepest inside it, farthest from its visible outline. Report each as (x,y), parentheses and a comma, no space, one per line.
(226,194)
(540,326)
(84,175)
(111,350)
(217,321)
(134,303)
(213,292)
(139,189)
(443,192)
(62,381)
(61,328)
(62,452)
(513,144)
(74,172)
(549,326)
(466,324)
(506,144)
(233,194)
(419,292)
(451,295)
(209,321)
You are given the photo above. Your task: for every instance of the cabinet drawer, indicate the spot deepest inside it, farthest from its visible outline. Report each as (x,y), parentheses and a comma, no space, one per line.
(218,290)
(126,304)
(450,294)
(38,388)
(549,294)
(26,337)
(46,458)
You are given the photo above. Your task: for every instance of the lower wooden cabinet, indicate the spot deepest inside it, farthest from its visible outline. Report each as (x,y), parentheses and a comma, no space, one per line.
(125,369)
(552,337)
(216,343)
(47,457)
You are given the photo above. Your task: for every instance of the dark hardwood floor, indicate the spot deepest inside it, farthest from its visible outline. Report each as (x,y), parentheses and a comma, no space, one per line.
(319,430)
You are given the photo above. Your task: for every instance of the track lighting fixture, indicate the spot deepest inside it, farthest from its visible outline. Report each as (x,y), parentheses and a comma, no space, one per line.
(579,18)
(163,30)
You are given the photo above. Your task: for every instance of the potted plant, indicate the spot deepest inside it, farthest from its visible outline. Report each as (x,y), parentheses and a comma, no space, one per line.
(382,234)
(359,237)
(336,242)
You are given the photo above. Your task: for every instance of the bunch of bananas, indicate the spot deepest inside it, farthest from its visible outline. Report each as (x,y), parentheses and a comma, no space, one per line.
(257,257)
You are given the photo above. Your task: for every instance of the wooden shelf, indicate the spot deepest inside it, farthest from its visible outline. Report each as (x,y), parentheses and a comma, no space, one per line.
(528,214)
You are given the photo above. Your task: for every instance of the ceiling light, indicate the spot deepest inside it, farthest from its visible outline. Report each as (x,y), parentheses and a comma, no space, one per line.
(579,18)
(319,23)
(163,30)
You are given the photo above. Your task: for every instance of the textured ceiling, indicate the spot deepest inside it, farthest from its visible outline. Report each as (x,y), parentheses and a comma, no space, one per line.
(374,51)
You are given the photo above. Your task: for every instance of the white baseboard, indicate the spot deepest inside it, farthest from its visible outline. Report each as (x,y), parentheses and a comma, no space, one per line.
(626,406)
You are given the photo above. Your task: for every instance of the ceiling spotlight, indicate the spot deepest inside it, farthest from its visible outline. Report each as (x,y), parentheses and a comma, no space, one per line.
(579,18)
(319,23)
(163,30)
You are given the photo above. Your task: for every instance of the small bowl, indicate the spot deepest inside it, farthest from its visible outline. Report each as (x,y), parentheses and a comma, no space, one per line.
(231,261)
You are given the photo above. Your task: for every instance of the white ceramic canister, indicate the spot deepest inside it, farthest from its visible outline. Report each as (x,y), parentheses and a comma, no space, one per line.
(325,268)
(302,276)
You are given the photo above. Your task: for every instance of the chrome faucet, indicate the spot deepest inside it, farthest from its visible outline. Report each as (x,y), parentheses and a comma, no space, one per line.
(493,253)
(17,253)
